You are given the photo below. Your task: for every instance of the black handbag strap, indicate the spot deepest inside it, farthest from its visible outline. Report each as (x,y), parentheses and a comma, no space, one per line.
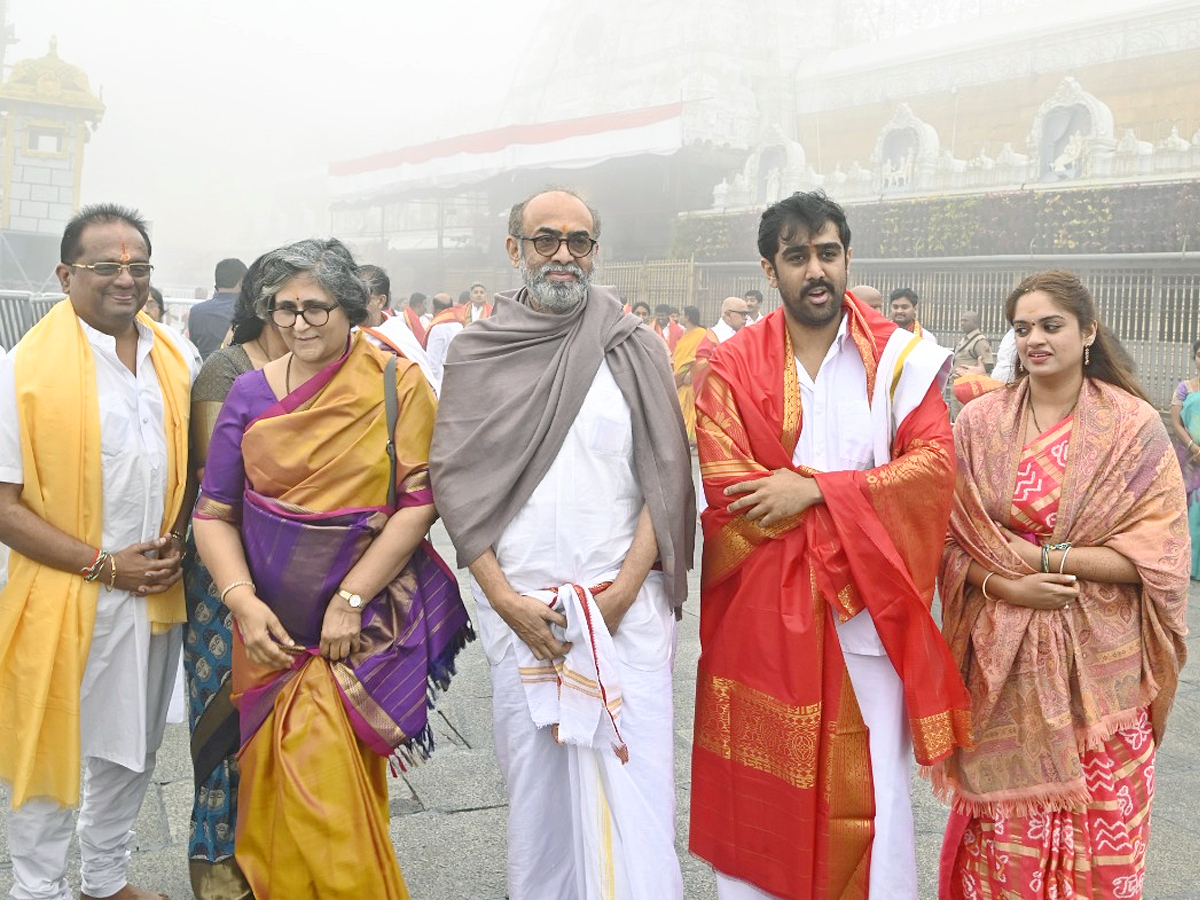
(390,404)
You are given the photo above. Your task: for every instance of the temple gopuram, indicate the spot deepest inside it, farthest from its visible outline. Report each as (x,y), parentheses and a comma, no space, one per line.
(971,141)
(47,115)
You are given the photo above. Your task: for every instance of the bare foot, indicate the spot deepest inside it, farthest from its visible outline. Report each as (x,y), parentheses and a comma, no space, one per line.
(129,892)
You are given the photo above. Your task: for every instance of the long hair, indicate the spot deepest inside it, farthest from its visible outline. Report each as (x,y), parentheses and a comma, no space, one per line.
(1108,360)
(247,324)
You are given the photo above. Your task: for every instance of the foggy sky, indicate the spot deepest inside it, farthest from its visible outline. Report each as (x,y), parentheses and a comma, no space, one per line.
(217,109)
(213,107)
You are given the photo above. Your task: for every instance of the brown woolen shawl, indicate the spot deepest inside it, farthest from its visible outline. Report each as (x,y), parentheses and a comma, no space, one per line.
(511,389)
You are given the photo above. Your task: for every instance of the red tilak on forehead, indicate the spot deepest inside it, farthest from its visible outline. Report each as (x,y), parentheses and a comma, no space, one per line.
(124,253)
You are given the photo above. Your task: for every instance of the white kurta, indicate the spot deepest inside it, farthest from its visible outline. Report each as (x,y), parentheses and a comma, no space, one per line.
(840,433)
(577,528)
(437,344)
(723,330)
(1006,357)
(114,721)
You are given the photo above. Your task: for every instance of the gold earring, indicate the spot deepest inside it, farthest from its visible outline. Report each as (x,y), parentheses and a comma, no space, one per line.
(1087,355)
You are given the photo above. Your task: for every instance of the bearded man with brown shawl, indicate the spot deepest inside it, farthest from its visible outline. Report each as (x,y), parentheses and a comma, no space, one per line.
(578,538)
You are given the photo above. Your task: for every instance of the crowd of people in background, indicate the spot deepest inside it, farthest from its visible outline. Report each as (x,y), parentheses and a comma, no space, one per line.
(257,496)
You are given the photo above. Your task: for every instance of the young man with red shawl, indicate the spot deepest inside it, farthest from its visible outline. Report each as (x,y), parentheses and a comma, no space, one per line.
(826,455)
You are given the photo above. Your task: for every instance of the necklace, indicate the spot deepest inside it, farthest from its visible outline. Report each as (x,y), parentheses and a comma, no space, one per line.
(1033,413)
(287,380)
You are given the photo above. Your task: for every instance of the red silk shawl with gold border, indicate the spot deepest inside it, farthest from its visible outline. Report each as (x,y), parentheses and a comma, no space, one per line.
(781,786)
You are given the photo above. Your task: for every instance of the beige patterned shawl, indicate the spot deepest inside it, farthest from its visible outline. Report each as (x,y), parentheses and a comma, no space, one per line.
(1046,685)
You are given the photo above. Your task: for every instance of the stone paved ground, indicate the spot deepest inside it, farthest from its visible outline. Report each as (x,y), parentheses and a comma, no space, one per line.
(448,816)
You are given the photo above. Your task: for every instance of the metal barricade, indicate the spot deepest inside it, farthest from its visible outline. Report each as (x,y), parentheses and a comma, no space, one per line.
(16,317)
(40,305)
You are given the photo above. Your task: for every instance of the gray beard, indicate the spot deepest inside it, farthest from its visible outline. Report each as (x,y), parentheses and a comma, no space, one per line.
(557,297)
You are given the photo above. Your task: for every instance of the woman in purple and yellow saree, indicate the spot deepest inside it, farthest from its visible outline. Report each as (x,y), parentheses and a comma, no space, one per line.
(347,620)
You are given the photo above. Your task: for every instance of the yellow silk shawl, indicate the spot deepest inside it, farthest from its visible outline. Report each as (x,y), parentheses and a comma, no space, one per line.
(46,615)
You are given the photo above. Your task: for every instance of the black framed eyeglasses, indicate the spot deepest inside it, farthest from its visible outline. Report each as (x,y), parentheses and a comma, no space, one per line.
(315,315)
(110,269)
(578,245)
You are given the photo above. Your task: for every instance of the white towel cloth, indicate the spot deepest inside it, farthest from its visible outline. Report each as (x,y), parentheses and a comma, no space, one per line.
(578,695)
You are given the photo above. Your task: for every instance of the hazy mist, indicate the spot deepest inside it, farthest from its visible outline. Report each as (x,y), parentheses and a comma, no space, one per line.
(215,109)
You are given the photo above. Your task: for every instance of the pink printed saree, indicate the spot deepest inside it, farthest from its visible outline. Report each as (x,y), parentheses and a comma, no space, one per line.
(1058,695)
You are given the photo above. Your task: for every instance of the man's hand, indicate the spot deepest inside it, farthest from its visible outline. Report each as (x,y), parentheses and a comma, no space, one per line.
(142,570)
(531,619)
(613,606)
(781,495)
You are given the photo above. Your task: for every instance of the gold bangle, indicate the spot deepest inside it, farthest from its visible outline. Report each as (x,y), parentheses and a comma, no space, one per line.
(236,584)
(112,575)
(983,586)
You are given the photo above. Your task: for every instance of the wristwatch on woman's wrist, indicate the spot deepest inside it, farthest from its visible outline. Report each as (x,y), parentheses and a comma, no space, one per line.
(354,600)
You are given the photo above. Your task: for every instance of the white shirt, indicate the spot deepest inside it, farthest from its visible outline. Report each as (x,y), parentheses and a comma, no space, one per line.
(475,313)
(577,527)
(397,331)
(133,453)
(723,330)
(835,436)
(1006,357)
(437,343)
(927,335)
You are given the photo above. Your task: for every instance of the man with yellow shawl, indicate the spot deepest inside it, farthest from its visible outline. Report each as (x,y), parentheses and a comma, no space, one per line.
(93,476)
(683,363)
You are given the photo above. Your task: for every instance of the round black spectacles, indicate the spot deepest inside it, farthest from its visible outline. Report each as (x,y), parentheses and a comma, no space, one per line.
(315,315)
(578,245)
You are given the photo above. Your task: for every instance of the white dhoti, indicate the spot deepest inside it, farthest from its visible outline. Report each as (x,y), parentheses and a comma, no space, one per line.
(566,800)
(39,833)
(582,825)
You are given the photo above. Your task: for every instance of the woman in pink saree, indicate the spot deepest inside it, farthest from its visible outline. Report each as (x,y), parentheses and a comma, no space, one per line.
(312,517)
(1064,588)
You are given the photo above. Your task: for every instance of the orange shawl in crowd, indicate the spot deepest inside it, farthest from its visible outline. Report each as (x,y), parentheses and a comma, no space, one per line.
(466,313)
(781,784)
(452,314)
(971,387)
(683,362)
(413,321)
(671,334)
(1047,685)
